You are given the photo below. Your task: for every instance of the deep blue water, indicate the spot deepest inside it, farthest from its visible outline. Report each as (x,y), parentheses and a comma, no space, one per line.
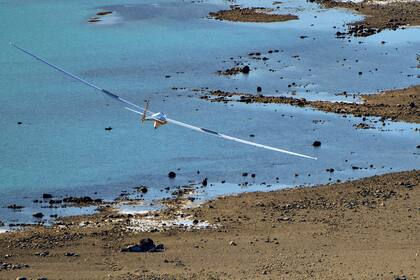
(62,146)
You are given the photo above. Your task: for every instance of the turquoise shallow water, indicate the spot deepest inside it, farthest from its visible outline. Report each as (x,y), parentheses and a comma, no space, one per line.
(62,146)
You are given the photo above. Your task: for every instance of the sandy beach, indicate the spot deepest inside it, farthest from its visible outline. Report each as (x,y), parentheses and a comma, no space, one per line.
(367,229)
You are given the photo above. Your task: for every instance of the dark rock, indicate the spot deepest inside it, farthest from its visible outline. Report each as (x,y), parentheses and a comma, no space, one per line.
(103,13)
(316,143)
(418,146)
(259,89)
(81,200)
(38,215)
(108,128)
(330,170)
(19,123)
(142,189)
(71,254)
(244,174)
(55,201)
(245,69)
(253,175)
(204,183)
(15,207)
(145,245)
(46,196)
(171,174)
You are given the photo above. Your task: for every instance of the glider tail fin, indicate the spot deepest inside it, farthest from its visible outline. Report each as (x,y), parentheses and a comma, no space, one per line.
(144,115)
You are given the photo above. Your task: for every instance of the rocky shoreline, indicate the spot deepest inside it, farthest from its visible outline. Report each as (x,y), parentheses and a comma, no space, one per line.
(396,105)
(253,14)
(367,228)
(379,15)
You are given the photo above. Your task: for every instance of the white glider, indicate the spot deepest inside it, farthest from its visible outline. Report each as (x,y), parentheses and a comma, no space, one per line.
(158,118)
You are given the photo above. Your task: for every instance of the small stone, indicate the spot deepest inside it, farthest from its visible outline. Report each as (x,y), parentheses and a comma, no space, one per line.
(171,174)
(232,243)
(316,143)
(204,183)
(46,196)
(108,128)
(71,254)
(245,69)
(259,89)
(38,215)
(142,189)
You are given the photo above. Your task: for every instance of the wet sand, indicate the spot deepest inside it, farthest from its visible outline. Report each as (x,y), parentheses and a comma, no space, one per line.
(399,105)
(251,15)
(365,229)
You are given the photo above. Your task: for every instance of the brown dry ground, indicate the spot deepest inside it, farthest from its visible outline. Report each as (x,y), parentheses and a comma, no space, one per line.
(379,16)
(401,105)
(250,15)
(365,229)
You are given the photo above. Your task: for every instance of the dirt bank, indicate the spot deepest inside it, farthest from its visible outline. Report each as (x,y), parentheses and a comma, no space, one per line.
(379,15)
(250,15)
(366,229)
(401,105)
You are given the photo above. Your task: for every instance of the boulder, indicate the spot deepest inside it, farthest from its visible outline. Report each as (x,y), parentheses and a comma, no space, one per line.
(316,143)
(38,215)
(46,196)
(245,69)
(171,174)
(142,189)
(145,245)
(204,183)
